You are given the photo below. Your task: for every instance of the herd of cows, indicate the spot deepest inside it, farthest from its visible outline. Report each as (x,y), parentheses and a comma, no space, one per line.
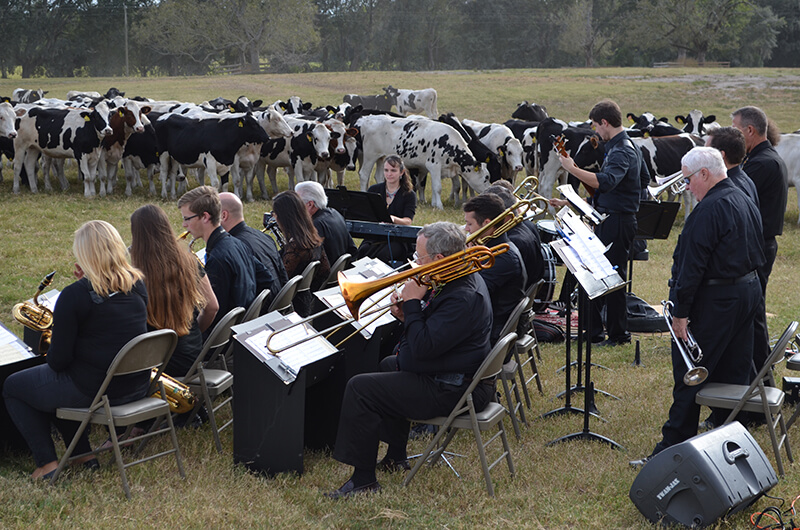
(246,140)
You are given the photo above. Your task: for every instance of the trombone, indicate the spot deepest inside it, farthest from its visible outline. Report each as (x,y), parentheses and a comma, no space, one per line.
(434,275)
(674,182)
(689,350)
(501,225)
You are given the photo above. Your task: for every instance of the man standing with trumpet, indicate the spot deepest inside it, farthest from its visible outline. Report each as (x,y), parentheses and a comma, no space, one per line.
(714,287)
(445,339)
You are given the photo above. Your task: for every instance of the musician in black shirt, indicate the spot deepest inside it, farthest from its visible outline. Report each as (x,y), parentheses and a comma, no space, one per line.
(766,168)
(329,223)
(444,342)
(714,287)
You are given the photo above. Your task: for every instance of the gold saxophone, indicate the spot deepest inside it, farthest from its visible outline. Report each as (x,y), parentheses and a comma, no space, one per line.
(179,397)
(36,316)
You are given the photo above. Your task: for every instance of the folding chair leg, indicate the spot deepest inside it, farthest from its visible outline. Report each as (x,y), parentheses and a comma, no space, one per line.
(68,453)
(510,407)
(115,444)
(535,375)
(476,431)
(174,437)
(210,408)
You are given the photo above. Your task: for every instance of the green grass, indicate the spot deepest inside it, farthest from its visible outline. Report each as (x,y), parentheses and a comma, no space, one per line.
(566,486)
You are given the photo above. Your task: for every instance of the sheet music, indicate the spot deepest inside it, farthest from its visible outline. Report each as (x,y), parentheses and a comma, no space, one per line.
(11,348)
(584,250)
(581,205)
(379,299)
(296,357)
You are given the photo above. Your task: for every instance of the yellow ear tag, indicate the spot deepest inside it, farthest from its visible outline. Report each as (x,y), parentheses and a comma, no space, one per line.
(630,119)
(241,123)
(488,158)
(121,114)
(477,167)
(647,135)
(86,118)
(533,139)
(310,138)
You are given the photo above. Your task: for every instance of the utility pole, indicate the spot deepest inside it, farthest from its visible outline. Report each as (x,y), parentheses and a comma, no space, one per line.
(125,9)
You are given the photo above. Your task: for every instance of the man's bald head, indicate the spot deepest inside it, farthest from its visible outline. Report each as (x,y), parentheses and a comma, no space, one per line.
(231,210)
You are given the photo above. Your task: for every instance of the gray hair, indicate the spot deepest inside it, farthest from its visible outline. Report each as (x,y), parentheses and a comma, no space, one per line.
(705,157)
(506,196)
(308,190)
(753,116)
(444,238)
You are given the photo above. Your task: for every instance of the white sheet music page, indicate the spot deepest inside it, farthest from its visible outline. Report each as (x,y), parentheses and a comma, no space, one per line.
(371,306)
(585,248)
(11,349)
(297,356)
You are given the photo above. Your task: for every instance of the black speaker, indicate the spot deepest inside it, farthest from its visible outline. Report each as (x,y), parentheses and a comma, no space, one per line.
(696,482)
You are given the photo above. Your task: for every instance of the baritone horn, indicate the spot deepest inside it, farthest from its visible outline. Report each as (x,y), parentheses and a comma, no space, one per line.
(179,397)
(503,223)
(672,182)
(689,350)
(37,316)
(433,275)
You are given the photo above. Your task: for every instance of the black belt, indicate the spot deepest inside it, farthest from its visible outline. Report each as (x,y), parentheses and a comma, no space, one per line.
(731,281)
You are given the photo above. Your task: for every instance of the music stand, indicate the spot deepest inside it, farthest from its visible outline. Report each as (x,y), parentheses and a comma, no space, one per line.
(583,254)
(358,205)
(654,220)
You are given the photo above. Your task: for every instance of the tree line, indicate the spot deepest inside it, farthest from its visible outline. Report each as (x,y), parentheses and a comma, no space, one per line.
(73,38)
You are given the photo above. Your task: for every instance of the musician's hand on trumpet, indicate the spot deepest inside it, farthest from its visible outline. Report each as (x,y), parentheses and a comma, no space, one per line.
(681,327)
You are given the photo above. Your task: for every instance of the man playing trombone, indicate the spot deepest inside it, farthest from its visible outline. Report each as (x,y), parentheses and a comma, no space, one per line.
(445,339)
(714,286)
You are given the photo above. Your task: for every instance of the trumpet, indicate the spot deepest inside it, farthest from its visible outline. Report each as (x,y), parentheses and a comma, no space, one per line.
(36,316)
(518,211)
(672,182)
(434,275)
(689,349)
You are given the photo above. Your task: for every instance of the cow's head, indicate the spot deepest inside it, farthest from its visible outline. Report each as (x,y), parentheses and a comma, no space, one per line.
(8,120)
(100,119)
(113,93)
(320,137)
(391,93)
(338,133)
(530,112)
(252,130)
(273,123)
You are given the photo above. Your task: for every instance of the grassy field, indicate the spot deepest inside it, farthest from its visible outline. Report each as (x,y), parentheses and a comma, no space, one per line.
(569,485)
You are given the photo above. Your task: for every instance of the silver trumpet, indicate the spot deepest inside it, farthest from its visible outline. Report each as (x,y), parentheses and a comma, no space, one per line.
(672,182)
(690,350)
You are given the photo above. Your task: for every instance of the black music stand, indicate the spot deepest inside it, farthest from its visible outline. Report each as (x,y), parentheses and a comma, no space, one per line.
(269,428)
(654,221)
(358,205)
(584,256)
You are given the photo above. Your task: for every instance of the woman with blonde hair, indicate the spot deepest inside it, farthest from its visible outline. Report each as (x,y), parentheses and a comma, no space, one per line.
(179,293)
(93,319)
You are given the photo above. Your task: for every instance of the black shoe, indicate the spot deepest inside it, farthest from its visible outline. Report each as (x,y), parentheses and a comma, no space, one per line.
(92,465)
(349,489)
(636,464)
(595,339)
(612,343)
(392,466)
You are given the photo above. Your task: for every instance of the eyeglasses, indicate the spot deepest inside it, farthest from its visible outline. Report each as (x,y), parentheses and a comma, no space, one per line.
(187,219)
(687,179)
(417,257)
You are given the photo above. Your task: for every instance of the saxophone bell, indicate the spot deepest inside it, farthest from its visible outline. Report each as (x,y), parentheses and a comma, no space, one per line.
(37,316)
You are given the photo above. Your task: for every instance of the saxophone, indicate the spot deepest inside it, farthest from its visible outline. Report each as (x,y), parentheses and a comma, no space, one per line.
(36,316)
(179,397)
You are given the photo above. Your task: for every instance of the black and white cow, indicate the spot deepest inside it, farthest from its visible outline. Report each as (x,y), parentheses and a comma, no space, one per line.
(61,133)
(501,140)
(582,145)
(293,106)
(8,131)
(204,143)
(141,152)
(379,102)
(650,126)
(127,117)
(421,143)
(22,95)
(112,93)
(414,101)
(697,124)
(83,94)
(309,142)
(530,112)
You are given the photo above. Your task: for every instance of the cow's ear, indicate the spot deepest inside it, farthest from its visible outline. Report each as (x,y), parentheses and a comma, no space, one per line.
(45,92)
(594,141)
(709,119)
(241,122)
(477,168)
(256,103)
(351,131)
(646,134)
(631,117)
(121,113)
(488,157)
(146,110)
(500,151)
(86,117)
(664,119)
(282,105)
(310,137)
(680,119)
(306,105)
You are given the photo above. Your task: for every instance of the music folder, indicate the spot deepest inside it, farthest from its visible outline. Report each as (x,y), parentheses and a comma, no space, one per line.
(583,207)
(358,205)
(584,255)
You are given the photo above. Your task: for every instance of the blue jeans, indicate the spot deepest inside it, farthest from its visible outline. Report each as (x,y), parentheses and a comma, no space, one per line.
(32,397)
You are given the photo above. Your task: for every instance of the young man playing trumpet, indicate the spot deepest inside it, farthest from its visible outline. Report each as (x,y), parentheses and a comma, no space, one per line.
(714,286)
(445,339)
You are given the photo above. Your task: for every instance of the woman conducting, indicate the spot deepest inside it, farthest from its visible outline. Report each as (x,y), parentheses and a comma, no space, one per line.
(303,245)
(179,293)
(93,319)
(401,203)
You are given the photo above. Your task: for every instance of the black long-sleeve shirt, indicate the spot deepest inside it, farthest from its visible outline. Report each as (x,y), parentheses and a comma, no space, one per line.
(89,331)
(331,227)
(744,183)
(506,281)
(721,240)
(265,251)
(620,179)
(766,169)
(451,334)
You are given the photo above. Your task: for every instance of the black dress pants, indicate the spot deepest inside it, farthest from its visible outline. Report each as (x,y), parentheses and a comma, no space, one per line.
(761,338)
(619,231)
(376,407)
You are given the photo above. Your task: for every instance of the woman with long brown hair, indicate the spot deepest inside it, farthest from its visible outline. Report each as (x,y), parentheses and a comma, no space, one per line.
(180,295)
(303,244)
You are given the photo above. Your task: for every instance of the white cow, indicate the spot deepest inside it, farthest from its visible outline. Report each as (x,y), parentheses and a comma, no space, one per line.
(697,124)
(789,149)
(414,101)
(424,144)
